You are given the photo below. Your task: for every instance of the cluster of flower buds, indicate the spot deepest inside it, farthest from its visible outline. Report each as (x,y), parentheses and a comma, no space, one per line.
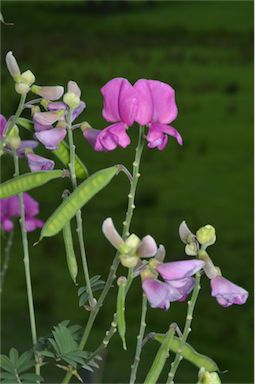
(225,292)
(23,81)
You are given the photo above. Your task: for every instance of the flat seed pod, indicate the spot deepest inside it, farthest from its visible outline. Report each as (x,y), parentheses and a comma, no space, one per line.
(28,181)
(190,354)
(70,254)
(77,199)
(122,282)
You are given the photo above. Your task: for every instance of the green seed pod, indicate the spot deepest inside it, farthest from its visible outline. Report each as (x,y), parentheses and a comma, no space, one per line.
(189,353)
(70,255)
(63,155)
(160,358)
(122,282)
(76,200)
(28,181)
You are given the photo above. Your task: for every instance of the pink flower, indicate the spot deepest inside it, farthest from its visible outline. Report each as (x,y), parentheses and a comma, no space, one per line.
(156,109)
(120,108)
(177,285)
(51,138)
(9,209)
(227,293)
(39,163)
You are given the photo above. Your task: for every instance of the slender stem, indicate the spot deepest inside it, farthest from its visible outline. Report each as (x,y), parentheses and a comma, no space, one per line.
(187,330)
(139,344)
(27,268)
(125,233)
(78,214)
(12,122)
(7,254)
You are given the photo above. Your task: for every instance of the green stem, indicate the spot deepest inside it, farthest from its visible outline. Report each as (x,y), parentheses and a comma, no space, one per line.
(12,122)
(7,253)
(187,330)
(78,214)
(125,233)
(27,268)
(140,336)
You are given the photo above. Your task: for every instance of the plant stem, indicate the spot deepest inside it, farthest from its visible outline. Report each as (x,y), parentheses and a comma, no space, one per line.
(12,122)
(187,330)
(125,233)
(7,253)
(140,336)
(27,268)
(78,214)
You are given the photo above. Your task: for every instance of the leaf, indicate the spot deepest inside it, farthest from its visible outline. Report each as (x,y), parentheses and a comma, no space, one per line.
(13,354)
(190,354)
(8,376)
(96,285)
(31,377)
(47,354)
(25,361)
(77,199)
(6,364)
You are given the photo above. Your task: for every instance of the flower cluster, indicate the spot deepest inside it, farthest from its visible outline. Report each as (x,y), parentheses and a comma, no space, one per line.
(149,103)
(10,208)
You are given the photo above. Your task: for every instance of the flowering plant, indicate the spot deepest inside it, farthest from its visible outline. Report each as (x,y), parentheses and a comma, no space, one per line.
(150,104)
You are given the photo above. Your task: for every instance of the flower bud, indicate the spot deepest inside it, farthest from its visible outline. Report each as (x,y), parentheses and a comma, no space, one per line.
(49,93)
(12,65)
(22,88)
(205,377)
(26,77)
(121,280)
(73,87)
(129,261)
(13,138)
(191,249)
(71,100)
(132,243)
(206,235)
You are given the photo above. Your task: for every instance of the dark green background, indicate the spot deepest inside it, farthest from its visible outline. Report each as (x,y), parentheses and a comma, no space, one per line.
(204,50)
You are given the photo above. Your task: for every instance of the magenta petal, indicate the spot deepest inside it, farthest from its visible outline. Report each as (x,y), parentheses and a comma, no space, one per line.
(127,103)
(179,269)
(145,102)
(3,123)
(227,293)
(184,286)
(164,105)
(51,138)
(148,247)
(91,134)
(7,225)
(111,137)
(157,293)
(39,163)
(41,127)
(32,223)
(56,106)
(157,135)
(31,205)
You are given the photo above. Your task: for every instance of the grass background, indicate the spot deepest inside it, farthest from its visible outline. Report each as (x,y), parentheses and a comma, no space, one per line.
(204,50)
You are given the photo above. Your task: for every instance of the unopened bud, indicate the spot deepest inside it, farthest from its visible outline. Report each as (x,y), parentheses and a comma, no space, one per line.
(26,77)
(13,138)
(206,235)
(73,87)
(132,243)
(49,93)
(121,280)
(129,261)
(191,249)
(12,65)
(22,88)
(205,377)
(71,100)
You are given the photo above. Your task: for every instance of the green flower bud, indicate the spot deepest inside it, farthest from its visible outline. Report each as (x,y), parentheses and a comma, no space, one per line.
(206,235)
(14,139)
(129,261)
(191,249)
(22,88)
(26,77)
(205,377)
(132,243)
(71,100)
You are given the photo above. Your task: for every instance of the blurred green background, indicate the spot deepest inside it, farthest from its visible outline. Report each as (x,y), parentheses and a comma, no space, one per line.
(204,50)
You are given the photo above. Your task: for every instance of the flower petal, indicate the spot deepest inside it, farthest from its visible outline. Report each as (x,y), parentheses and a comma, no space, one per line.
(46,118)
(157,293)
(51,138)
(184,286)
(111,137)
(24,145)
(39,163)
(185,233)
(49,92)
(179,269)
(164,105)
(127,103)
(77,111)
(3,123)
(145,102)
(147,247)
(111,233)
(73,87)
(227,293)
(156,135)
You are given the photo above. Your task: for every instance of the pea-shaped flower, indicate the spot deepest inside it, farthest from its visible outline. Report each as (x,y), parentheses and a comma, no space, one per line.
(120,107)
(156,109)
(39,163)
(227,293)
(132,249)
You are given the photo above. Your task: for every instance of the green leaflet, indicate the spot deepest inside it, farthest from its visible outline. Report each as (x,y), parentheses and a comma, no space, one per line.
(190,354)
(28,181)
(76,200)
(62,152)
(70,254)
(122,282)
(160,358)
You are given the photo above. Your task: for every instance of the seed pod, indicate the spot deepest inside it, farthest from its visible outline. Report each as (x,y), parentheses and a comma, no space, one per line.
(28,181)
(63,154)
(160,358)
(70,255)
(76,200)
(190,354)
(122,282)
